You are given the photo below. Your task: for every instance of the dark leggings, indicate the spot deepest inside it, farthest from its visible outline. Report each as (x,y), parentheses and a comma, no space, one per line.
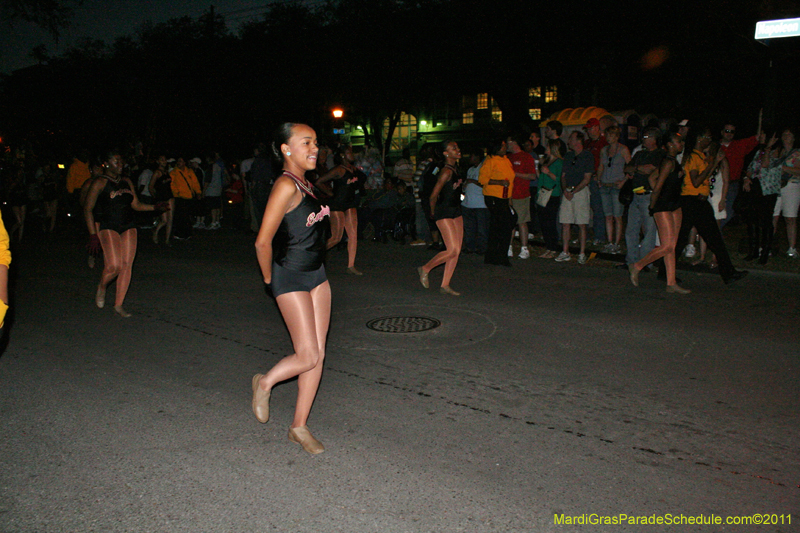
(698,213)
(548,218)
(500,225)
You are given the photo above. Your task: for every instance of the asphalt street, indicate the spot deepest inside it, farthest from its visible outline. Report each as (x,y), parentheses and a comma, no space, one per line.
(547,390)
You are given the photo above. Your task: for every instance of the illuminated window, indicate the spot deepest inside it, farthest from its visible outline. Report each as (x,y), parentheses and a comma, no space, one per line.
(497,114)
(551,94)
(536,114)
(404,133)
(483,100)
(535,92)
(468,118)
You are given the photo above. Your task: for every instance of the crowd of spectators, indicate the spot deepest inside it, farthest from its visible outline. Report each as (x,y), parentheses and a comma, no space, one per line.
(590,190)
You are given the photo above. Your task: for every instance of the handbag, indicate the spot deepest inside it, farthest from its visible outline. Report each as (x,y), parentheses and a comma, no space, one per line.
(626,193)
(543,196)
(747,201)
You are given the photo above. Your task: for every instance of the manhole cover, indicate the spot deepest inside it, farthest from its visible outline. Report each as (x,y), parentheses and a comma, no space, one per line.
(403,324)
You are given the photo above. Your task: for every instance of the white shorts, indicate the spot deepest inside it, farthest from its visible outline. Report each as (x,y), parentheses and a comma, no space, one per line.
(788,201)
(577,210)
(714,201)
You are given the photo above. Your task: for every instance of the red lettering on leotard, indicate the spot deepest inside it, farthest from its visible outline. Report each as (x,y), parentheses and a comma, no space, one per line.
(313,218)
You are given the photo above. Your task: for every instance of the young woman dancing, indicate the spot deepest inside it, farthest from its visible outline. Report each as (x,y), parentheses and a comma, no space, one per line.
(446,210)
(666,210)
(347,183)
(290,247)
(161,190)
(108,211)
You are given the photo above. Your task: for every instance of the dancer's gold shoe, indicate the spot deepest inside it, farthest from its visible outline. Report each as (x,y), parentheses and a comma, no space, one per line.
(676,289)
(304,438)
(354,271)
(423,277)
(260,400)
(100,297)
(448,290)
(634,274)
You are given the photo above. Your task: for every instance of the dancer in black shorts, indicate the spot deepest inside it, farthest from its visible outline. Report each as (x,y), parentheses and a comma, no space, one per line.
(160,187)
(290,247)
(108,211)
(347,184)
(445,204)
(666,210)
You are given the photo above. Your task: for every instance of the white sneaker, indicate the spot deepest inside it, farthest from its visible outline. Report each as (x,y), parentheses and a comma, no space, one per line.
(563,257)
(524,253)
(690,250)
(792,252)
(582,259)
(609,248)
(510,251)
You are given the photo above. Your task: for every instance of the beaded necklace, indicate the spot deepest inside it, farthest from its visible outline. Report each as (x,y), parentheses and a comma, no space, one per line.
(300,183)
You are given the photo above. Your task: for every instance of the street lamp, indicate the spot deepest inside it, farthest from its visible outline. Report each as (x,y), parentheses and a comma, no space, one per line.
(337,113)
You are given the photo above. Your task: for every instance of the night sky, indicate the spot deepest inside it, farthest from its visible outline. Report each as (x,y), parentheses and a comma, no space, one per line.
(382,56)
(108,19)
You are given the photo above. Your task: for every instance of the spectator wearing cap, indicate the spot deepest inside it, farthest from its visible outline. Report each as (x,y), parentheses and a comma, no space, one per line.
(736,150)
(595,142)
(644,163)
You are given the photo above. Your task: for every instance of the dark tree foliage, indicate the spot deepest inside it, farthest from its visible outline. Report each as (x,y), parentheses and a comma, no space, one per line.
(52,15)
(190,85)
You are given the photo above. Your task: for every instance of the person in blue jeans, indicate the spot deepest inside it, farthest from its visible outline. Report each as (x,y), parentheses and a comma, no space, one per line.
(640,235)
(474,210)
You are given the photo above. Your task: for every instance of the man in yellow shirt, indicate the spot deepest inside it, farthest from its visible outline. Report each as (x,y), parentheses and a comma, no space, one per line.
(77,174)
(186,190)
(497,179)
(5,262)
(697,210)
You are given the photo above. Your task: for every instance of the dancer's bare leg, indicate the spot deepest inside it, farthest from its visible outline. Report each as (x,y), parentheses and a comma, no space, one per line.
(351,226)
(307,316)
(452,231)
(668,224)
(129,240)
(111,242)
(337,229)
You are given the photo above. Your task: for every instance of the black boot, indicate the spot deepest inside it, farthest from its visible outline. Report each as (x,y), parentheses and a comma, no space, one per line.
(752,240)
(766,247)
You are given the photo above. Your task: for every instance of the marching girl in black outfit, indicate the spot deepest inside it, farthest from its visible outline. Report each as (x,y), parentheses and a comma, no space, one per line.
(108,211)
(347,184)
(666,210)
(445,202)
(161,190)
(50,190)
(18,199)
(290,247)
